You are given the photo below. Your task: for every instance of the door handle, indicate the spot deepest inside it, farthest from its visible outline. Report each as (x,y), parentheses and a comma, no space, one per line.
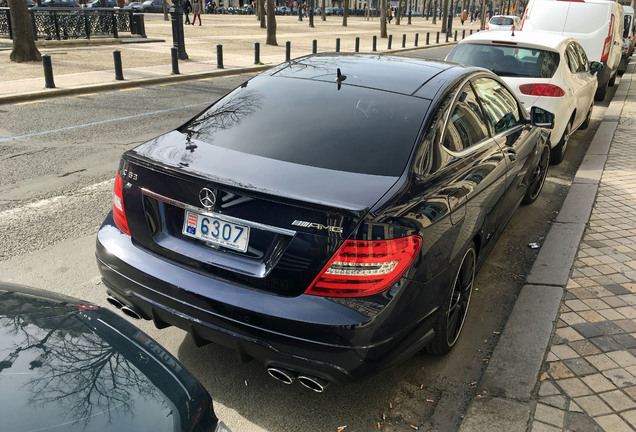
(512,155)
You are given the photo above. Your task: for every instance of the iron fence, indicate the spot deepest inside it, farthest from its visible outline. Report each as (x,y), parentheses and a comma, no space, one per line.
(73,23)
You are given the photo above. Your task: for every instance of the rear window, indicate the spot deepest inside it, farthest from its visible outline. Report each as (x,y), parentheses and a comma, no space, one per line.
(507,60)
(501,21)
(627,26)
(314,123)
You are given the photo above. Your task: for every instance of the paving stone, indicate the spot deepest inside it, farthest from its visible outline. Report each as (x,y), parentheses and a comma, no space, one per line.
(550,415)
(622,358)
(574,387)
(548,389)
(631,391)
(579,366)
(606,343)
(615,302)
(579,422)
(626,340)
(584,348)
(610,314)
(613,423)
(598,383)
(602,362)
(574,407)
(596,304)
(593,405)
(620,377)
(542,427)
(609,328)
(617,289)
(618,400)
(572,318)
(627,324)
(588,330)
(550,357)
(582,293)
(558,370)
(569,334)
(591,316)
(577,305)
(630,417)
(564,352)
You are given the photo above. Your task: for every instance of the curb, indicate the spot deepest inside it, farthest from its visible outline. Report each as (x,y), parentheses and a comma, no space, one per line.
(505,392)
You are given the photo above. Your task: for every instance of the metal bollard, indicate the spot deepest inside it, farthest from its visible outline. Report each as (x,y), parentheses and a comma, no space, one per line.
(174,52)
(471,32)
(428,34)
(314,46)
(257,53)
(288,51)
(219,56)
(437,38)
(446,36)
(337,44)
(403,41)
(455,39)
(357,44)
(375,43)
(390,41)
(463,34)
(417,37)
(119,74)
(48,71)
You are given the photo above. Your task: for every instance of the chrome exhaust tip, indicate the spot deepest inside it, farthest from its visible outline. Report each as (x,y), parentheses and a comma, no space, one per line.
(130,312)
(313,383)
(113,301)
(284,375)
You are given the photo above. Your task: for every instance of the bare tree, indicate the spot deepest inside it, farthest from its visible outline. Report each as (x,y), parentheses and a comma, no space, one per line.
(271,23)
(434,10)
(323,11)
(345,12)
(444,16)
(24,49)
(383,19)
(482,15)
(261,11)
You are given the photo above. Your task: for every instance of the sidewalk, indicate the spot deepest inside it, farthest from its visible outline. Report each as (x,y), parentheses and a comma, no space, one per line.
(82,66)
(576,317)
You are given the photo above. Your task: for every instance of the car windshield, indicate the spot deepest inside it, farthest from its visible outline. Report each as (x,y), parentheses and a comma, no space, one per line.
(315,123)
(507,60)
(501,21)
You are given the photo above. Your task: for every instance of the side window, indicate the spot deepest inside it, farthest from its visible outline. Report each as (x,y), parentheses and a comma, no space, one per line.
(466,126)
(573,59)
(502,108)
(583,60)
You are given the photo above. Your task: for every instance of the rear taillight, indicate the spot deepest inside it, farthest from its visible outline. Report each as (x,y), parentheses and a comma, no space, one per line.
(365,267)
(549,90)
(487,27)
(608,41)
(523,21)
(118,205)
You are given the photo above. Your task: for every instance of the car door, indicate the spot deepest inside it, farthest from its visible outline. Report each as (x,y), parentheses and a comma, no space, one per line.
(474,166)
(582,82)
(506,118)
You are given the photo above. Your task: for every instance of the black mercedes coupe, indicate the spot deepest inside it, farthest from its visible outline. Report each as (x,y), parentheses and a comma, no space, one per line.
(326,217)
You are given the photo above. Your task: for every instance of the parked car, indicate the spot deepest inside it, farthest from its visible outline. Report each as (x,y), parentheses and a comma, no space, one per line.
(74,366)
(282,10)
(543,69)
(326,250)
(628,39)
(596,24)
(149,6)
(102,4)
(503,22)
(132,5)
(59,3)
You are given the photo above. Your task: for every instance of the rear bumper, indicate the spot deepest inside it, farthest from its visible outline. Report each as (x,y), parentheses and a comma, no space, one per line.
(307,334)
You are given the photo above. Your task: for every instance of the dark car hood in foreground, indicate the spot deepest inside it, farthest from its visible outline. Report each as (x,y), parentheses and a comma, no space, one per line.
(71,366)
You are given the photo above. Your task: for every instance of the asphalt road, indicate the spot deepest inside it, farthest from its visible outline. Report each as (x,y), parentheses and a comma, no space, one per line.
(57,160)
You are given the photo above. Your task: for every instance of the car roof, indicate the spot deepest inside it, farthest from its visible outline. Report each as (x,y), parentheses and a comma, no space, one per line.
(530,39)
(409,76)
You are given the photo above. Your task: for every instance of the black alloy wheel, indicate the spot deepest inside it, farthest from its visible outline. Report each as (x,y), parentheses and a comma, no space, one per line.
(453,313)
(538,179)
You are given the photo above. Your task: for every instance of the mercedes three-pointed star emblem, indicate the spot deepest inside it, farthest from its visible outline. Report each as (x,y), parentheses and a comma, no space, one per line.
(207,198)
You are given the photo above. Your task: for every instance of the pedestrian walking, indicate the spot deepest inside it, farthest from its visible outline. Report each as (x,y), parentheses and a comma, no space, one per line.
(196,8)
(187,8)
(464,16)
(390,15)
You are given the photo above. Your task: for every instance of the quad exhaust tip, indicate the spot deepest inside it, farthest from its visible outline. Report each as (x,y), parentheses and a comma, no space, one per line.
(126,310)
(283,375)
(313,383)
(112,300)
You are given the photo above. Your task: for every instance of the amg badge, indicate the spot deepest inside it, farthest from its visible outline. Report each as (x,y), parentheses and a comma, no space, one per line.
(304,224)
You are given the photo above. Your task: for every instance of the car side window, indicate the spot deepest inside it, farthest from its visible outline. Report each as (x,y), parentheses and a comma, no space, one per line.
(573,60)
(466,125)
(502,109)
(583,60)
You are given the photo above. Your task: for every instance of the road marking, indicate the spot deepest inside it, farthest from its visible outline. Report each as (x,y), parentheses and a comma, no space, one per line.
(130,89)
(30,102)
(85,95)
(168,84)
(204,79)
(104,121)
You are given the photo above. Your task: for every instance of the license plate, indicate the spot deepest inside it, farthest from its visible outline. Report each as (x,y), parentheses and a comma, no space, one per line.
(216,231)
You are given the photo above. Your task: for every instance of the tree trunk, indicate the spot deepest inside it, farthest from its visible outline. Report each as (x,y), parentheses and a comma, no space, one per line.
(323,11)
(24,49)
(383,19)
(271,23)
(261,9)
(345,12)
(482,15)
(434,12)
(444,8)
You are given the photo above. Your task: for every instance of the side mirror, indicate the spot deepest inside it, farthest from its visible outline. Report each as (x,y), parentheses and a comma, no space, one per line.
(595,67)
(541,118)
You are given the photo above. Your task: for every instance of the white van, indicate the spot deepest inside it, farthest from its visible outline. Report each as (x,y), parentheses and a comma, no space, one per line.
(596,24)
(628,39)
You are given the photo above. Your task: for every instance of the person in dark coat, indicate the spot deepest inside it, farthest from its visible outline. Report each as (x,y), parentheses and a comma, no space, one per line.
(187,8)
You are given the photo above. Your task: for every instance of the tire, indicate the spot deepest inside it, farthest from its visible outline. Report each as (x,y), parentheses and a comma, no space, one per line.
(538,179)
(600,93)
(452,314)
(588,118)
(612,81)
(622,66)
(558,152)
